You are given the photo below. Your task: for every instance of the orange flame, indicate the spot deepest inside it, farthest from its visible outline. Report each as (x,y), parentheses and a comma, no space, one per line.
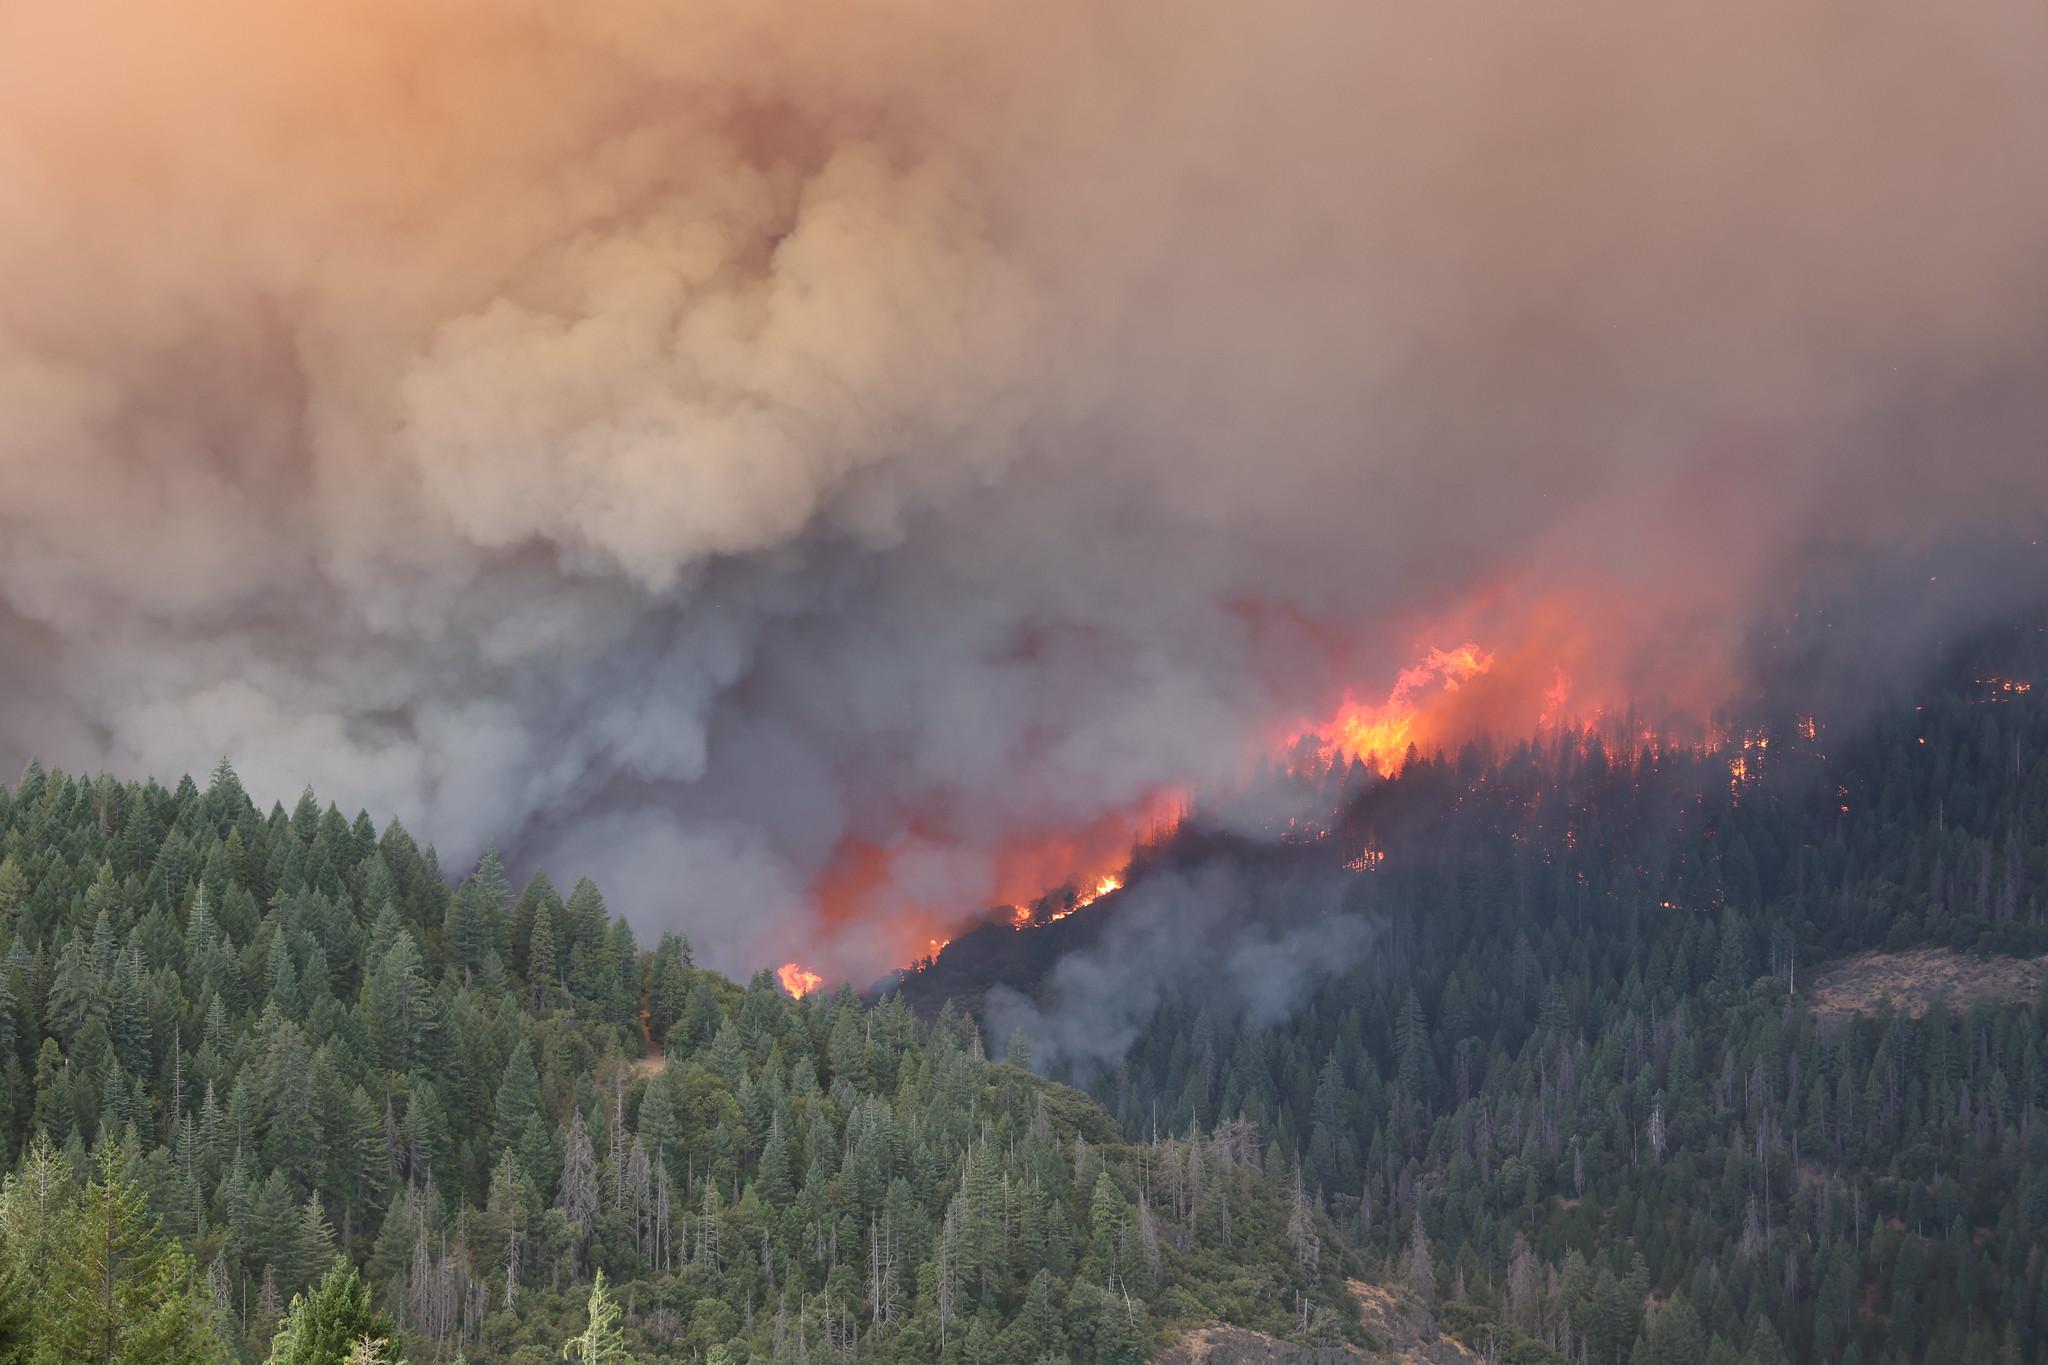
(866,882)
(1379,734)
(798,981)
(1095,888)
(1371,859)
(1552,675)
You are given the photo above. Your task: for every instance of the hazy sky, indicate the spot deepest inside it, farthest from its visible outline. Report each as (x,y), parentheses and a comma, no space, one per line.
(677,440)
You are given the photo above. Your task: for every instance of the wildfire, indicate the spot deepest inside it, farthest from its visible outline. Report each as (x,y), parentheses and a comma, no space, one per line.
(1557,698)
(1108,882)
(1023,916)
(890,881)
(798,981)
(1368,861)
(1379,734)
(2004,689)
(1548,679)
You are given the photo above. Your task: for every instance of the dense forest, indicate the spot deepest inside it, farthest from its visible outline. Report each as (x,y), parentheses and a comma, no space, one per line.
(1580,1058)
(271,1089)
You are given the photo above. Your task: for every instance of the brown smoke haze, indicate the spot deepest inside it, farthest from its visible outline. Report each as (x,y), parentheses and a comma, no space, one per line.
(675,439)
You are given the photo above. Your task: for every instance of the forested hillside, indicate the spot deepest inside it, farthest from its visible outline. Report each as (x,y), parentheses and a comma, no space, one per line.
(1579,1054)
(270,1085)
(238,1048)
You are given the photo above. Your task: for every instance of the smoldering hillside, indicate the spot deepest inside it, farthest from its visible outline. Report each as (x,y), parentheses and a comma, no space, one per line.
(677,442)
(1250,947)
(1358,879)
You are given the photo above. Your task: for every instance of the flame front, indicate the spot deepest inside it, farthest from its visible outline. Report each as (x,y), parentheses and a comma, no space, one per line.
(798,981)
(1546,678)
(869,883)
(1379,734)
(1094,889)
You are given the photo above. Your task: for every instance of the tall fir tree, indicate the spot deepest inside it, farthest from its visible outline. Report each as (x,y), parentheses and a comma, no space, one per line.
(119,1292)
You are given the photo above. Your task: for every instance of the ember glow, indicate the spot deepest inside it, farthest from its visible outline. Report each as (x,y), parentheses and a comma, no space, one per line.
(2004,689)
(1369,860)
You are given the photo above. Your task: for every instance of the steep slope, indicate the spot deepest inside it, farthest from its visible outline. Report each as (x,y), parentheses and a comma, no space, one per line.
(1616,1042)
(298,1042)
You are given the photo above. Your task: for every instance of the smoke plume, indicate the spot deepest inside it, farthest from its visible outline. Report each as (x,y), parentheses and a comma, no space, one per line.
(689,442)
(1206,926)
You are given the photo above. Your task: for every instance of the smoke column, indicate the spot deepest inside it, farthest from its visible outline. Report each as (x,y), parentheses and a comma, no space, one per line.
(686,442)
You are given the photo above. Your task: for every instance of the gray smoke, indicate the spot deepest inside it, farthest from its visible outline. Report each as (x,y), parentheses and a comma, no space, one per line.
(676,441)
(1200,926)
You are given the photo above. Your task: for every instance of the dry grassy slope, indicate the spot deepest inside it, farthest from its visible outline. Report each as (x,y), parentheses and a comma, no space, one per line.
(1242,1346)
(1412,1339)
(1408,1337)
(1920,980)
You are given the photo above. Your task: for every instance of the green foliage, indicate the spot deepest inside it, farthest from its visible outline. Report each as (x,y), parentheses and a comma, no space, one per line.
(17,1309)
(368,1108)
(263,1074)
(1589,1075)
(116,1291)
(327,1322)
(600,1342)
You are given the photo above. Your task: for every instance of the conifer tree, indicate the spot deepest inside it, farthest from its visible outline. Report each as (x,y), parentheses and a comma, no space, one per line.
(17,1305)
(118,1292)
(600,1342)
(541,969)
(323,1323)
(518,1098)
(1418,1270)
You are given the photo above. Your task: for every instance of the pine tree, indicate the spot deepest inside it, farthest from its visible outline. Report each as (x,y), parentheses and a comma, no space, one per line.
(14,890)
(1524,1301)
(1675,1338)
(541,971)
(273,1226)
(586,915)
(772,1177)
(324,1322)
(118,1293)
(1418,1270)
(128,1015)
(313,1247)
(577,1194)
(600,1342)
(518,1098)
(398,1005)
(369,1350)
(1301,1229)
(17,1306)
(1106,1213)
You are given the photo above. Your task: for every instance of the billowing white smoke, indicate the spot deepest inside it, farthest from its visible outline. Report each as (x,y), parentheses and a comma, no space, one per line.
(672,437)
